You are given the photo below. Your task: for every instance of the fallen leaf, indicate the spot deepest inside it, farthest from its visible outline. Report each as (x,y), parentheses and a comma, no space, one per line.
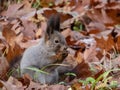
(66,32)
(4,66)
(29,29)
(90,54)
(105,44)
(57,87)
(12,7)
(118,43)
(77,86)
(9,34)
(79,57)
(82,70)
(13,53)
(12,84)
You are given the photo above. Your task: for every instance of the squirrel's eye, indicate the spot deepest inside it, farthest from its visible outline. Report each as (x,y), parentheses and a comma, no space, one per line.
(56,41)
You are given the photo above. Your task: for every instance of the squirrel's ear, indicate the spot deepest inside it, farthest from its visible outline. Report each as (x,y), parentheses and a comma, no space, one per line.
(50,27)
(52,24)
(57,22)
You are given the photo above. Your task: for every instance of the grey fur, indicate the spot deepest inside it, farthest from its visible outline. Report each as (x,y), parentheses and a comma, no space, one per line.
(40,55)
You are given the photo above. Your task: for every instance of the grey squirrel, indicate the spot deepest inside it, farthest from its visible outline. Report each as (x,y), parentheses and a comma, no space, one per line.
(51,49)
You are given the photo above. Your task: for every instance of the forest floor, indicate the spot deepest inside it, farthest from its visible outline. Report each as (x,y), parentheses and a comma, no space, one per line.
(92,32)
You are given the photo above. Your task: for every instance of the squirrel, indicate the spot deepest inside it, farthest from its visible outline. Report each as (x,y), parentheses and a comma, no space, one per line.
(51,49)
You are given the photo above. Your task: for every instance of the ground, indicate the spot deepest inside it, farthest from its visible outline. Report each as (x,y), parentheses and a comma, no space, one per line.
(91,29)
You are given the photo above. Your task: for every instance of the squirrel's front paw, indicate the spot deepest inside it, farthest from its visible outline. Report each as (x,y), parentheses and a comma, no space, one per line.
(60,56)
(64,54)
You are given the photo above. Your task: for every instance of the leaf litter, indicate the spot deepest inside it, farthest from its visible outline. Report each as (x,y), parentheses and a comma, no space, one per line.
(93,49)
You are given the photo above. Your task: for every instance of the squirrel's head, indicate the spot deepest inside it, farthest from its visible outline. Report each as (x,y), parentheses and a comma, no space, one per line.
(54,40)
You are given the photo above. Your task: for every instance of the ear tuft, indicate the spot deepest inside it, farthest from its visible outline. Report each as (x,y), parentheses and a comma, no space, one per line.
(57,22)
(52,24)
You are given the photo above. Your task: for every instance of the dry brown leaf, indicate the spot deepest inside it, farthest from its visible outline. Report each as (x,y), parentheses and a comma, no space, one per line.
(81,6)
(14,8)
(105,44)
(94,31)
(38,33)
(20,9)
(82,70)
(77,86)
(115,63)
(73,38)
(37,18)
(9,35)
(66,32)
(27,7)
(13,53)
(90,54)
(70,41)
(3,67)
(108,16)
(12,84)
(57,87)
(41,31)
(36,86)
(13,50)
(79,57)
(29,29)
(3,44)
(118,43)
